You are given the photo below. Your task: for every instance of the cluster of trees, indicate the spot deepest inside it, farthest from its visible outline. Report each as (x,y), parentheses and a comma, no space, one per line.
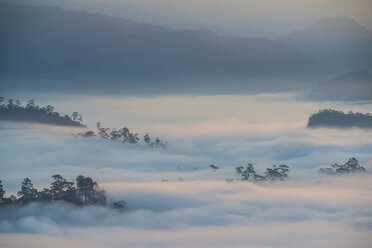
(123,135)
(351,166)
(334,118)
(13,110)
(86,192)
(277,173)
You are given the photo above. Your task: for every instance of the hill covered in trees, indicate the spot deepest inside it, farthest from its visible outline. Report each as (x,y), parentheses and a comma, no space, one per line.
(13,110)
(86,192)
(338,119)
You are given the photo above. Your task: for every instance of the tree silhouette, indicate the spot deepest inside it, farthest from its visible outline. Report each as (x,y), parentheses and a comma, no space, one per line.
(49,109)
(2,192)
(75,115)
(61,189)
(88,191)
(248,173)
(123,135)
(277,173)
(27,193)
(119,205)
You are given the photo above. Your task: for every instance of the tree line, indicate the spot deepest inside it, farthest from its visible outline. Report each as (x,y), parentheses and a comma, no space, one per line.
(86,192)
(123,135)
(13,110)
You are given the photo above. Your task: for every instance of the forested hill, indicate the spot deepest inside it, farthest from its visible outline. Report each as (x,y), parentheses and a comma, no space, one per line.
(338,119)
(13,110)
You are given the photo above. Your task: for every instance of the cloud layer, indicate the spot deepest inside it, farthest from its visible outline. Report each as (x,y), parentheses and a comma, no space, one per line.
(334,213)
(202,210)
(226,131)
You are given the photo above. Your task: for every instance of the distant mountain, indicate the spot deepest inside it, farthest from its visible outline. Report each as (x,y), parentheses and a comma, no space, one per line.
(340,41)
(330,29)
(49,48)
(352,86)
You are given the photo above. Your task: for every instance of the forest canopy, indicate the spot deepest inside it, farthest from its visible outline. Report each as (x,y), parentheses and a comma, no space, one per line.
(86,192)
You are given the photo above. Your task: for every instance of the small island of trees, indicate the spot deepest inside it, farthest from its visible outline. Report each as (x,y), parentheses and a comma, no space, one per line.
(277,173)
(338,119)
(351,166)
(13,110)
(123,135)
(280,172)
(86,192)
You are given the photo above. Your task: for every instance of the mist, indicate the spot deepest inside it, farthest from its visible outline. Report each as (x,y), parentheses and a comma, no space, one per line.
(227,131)
(205,214)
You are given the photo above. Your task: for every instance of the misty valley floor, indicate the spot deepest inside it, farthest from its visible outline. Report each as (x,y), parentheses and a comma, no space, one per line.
(196,206)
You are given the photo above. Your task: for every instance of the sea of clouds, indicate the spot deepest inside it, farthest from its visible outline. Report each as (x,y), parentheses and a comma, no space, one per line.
(196,207)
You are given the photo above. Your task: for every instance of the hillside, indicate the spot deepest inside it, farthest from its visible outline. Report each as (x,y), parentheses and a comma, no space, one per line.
(338,119)
(13,110)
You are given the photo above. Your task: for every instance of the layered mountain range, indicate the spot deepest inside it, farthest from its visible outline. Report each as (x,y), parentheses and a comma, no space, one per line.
(49,48)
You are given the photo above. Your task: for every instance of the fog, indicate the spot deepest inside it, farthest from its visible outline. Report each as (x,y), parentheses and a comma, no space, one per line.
(334,213)
(196,206)
(227,131)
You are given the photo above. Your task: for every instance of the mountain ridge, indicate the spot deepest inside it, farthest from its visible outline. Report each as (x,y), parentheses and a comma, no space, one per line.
(49,43)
